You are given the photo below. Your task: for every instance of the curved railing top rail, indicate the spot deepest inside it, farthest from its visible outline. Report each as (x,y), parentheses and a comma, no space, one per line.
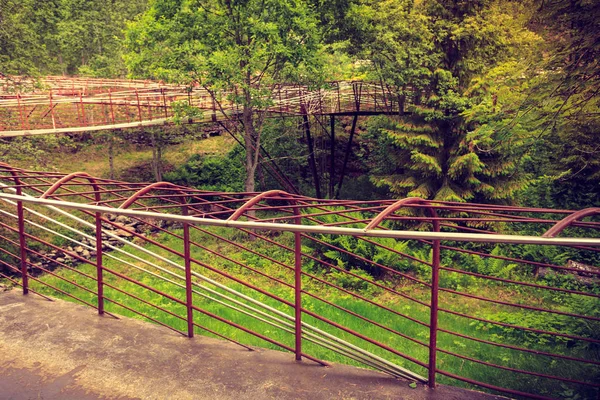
(52,189)
(125,194)
(569,220)
(145,190)
(258,198)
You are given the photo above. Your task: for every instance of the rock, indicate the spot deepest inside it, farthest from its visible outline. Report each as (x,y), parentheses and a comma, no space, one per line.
(133,224)
(583,268)
(123,219)
(85,254)
(79,249)
(123,233)
(60,260)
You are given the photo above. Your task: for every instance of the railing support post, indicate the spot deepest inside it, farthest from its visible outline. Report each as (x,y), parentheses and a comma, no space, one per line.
(188,275)
(22,244)
(52,110)
(139,107)
(99,270)
(20,111)
(112,110)
(82,108)
(433,321)
(298,293)
(298,285)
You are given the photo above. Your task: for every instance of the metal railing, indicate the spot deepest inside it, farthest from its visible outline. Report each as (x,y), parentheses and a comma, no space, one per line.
(81,105)
(307,293)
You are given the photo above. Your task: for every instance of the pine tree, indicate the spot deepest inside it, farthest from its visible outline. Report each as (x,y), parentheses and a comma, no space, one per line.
(438,54)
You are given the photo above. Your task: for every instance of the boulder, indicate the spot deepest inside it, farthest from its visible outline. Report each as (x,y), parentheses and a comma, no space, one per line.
(123,219)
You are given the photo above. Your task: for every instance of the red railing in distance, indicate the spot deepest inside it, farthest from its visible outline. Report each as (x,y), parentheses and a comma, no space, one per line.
(483,296)
(70,104)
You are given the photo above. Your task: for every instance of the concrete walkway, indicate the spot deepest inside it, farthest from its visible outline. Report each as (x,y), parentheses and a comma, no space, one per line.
(59,350)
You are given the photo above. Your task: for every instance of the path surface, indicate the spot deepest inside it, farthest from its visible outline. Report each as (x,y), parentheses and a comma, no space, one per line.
(59,350)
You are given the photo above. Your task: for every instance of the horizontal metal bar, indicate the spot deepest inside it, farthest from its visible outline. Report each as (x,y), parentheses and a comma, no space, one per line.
(34,132)
(20,284)
(492,387)
(407,235)
(516,370)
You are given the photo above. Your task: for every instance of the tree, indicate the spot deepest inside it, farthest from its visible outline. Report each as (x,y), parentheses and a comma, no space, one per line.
(25,26)
(237,50)
(89,35)
(442,58)
(39,37)
(565,97)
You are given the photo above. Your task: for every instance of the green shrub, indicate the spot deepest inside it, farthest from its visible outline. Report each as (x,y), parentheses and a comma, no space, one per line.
(216,173)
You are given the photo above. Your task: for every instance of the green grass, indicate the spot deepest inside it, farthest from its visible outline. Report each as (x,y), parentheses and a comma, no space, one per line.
(449,342)
(92,157)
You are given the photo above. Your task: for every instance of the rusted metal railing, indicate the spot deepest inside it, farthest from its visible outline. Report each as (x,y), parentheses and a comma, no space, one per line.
(417,325)
(49,110)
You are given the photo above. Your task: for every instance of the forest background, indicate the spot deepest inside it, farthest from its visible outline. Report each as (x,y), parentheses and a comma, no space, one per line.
(504,93)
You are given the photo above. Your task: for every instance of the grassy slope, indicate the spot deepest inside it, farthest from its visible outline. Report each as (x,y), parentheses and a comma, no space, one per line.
(93,157)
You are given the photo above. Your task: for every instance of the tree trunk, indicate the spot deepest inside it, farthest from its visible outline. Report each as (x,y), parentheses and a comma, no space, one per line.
(156,154)
(159,150)
(252,143)
(251,149)
(111,155)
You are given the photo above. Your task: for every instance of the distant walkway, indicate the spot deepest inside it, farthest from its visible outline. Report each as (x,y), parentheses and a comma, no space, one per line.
(71,104)
(59,350)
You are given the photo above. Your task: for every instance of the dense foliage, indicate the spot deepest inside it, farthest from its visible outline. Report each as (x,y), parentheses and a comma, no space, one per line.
(64,36)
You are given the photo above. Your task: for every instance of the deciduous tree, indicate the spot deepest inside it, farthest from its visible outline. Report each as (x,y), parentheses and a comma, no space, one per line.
(239,48)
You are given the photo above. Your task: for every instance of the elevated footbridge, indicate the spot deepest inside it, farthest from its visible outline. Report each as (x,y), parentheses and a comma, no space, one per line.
(69,104)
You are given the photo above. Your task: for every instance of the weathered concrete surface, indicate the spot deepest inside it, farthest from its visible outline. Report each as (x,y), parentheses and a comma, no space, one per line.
(59,350)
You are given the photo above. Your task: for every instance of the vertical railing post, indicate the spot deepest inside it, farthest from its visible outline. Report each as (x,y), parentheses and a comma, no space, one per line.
(112,110)
(149,109)
(99,270)
(164,98)
(433,321)
(214,109)
(20,111)
(188,274)
(82,108)
(22,244)
(52,110)
(139,107)
(298,287)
